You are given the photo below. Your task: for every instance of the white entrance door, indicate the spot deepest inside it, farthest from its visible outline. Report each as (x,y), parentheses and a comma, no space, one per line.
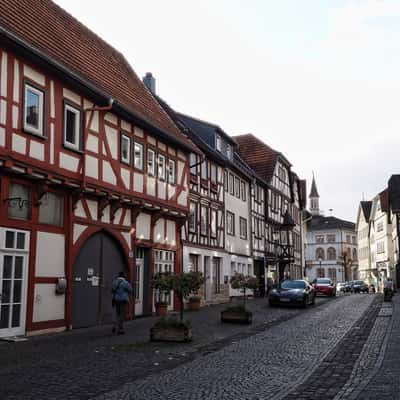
(14,247)
(139,281)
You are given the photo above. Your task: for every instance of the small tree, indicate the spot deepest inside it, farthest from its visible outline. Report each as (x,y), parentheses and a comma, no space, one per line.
(243,282)
(184,284)
(162,282)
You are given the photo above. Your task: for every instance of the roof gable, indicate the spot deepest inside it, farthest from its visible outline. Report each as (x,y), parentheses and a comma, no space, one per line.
(57,35)
(261,158)
(366,209)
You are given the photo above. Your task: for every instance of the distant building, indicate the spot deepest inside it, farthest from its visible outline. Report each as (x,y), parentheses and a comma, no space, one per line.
(331,249)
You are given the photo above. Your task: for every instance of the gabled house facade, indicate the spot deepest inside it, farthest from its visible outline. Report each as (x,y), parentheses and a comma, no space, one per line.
(94,175)
(280,193)
(220,259)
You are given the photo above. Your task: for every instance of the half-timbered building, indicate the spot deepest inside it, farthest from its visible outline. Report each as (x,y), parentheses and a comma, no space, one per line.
(281,198)
(94,175)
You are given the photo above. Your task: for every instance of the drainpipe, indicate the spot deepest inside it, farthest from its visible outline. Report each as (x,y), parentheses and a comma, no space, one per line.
(86,132)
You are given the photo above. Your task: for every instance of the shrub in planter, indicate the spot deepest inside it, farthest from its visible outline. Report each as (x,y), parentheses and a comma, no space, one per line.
(194,303)
(171,330)
(162,282)
(239,313)
(236,314)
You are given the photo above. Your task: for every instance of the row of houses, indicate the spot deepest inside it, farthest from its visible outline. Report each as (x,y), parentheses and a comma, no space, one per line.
(99,175)
(378,236)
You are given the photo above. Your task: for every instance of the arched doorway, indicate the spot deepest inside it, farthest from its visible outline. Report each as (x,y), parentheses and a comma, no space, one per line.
(96,265)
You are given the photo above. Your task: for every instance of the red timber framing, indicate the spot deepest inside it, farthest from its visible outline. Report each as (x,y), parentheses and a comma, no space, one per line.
(94,173)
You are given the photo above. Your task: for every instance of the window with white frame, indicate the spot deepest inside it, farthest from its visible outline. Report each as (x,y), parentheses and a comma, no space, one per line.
(151,164)
(204,170)
(230,223)
(193,162)
(213,214)
(243,227)
(243,190)
(379,227)
(204,221)
(171,172)
(229,151)
(72,127)
(125,149)
(231,184)
(138,155)
(33,110)
(192,216)
(226,183)
(237,187)
(161,167)
(213,173)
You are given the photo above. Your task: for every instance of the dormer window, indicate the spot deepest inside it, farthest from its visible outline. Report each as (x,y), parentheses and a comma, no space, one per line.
(218,143)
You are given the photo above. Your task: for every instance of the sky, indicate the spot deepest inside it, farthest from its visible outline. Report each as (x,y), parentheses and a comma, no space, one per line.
(317,80)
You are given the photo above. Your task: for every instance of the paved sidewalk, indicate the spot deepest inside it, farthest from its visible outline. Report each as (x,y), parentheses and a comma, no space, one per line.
(84,363)
(385,384)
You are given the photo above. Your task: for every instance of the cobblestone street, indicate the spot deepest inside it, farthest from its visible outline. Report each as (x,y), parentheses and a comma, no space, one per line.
(332,351)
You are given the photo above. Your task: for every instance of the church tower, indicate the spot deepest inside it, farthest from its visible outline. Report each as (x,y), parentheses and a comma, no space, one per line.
(314,198)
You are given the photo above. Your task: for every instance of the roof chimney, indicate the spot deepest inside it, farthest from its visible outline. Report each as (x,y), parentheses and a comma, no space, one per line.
(150,82)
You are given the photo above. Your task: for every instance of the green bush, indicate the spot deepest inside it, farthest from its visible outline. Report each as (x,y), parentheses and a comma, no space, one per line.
(172,322)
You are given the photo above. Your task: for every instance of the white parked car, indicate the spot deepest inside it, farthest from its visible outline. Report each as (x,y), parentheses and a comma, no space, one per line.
(340,287)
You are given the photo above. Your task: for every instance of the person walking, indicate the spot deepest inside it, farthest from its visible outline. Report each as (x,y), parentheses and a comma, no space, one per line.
(121,289)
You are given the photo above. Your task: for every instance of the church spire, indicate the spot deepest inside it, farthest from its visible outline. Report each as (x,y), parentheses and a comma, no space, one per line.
(314,198)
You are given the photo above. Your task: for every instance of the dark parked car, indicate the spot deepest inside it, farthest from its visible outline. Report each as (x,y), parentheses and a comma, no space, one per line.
(292,292)
(325,286)
(348,287)
(360,287)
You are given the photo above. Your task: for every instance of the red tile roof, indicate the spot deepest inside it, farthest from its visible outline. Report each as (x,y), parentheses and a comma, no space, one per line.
(258,155)
(51,30)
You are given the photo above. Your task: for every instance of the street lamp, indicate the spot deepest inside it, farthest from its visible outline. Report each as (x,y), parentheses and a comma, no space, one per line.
(286,254)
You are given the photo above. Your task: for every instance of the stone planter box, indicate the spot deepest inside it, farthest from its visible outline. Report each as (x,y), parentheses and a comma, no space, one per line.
(236,317)
(194,305)
(170,334)
(161,309)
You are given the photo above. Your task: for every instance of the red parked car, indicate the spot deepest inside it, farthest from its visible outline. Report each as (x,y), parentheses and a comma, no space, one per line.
(325,286)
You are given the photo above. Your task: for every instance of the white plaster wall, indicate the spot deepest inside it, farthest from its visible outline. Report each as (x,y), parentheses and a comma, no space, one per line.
(50,255)
(234,244)
(16,82)
(78,230)
(18,143)
(92,167)
(151,186)
(183,198)
(34,75)
(15,113)
(112,140)
(93,208)
(161,190)
(3,75)
(79,210)
(47,305)
(2,137)
(126,126)
(108,173)
(68,162)
(111,118)
(92,143)
(106,215)
(138,183)
(94,126)
(72,96)
(159,233)
(3,111)
(126,177)
(37,150)
(127,219)
(171,232)
(143,226)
